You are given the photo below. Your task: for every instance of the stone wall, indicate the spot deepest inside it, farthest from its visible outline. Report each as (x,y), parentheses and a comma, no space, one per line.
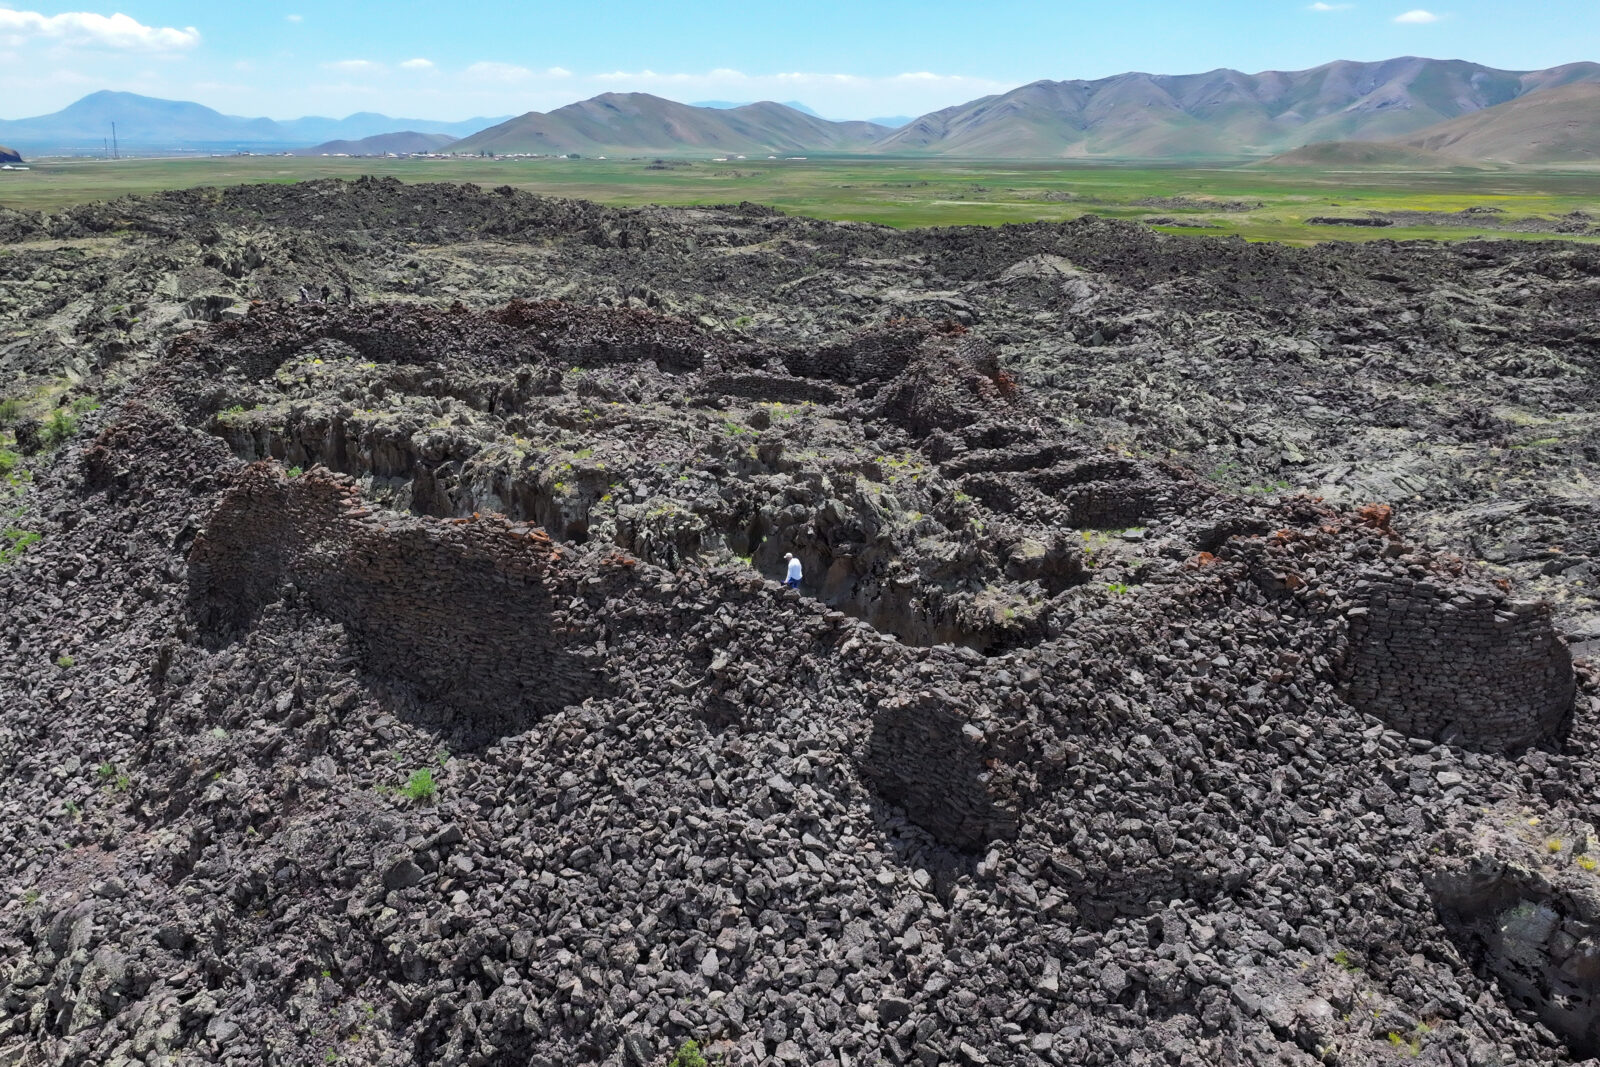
(467,613)
(926,756)
(1533,917)
(768,388)
(881,353)
(1457,661)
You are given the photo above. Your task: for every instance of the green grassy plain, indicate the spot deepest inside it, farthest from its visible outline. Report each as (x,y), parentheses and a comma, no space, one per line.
(906,193)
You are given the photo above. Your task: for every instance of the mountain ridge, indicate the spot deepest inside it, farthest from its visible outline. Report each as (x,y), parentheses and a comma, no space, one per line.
(1221,113)
(1558,125)
(145,122)
(641,122)
(405,142)
(1217,114)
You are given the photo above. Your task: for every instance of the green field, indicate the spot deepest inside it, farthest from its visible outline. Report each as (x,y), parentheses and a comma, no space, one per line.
(917,192)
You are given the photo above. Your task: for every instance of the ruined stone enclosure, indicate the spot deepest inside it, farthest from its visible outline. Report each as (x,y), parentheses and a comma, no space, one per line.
(410,683)
(925,496)
(468,615)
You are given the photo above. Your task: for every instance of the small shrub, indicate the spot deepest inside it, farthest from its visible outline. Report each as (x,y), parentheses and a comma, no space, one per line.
(420,787)
(1413,1047)
(64,661)
(688,1055)
(60,428)
(1343,961)
(295,472)
(1118,587)
(106,771)
(1588,863)
(10,410)
(9,461)
(1554,844)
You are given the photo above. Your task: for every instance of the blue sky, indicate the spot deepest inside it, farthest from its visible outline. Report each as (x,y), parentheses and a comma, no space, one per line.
(845,58)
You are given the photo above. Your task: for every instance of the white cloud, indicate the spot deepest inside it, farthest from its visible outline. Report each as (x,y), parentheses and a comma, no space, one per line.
(354,66)
(498,73)
(417,64)
(1322,7)
(86,29)
(1418,17)
(558,72)
(294,18)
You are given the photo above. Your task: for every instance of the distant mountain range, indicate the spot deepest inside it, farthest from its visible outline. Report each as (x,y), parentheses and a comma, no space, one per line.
(407,142)
(1221,114)
(1460,110)
(146,123)
(893,122)
(729,105)
(638,122)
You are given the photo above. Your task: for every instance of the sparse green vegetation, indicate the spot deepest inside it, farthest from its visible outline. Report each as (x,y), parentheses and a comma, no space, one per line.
(688,1055)
(1275,486)
(1342,960)
(10,410)
(420,787)
(14,542)
(60,427)
(1412,1046)
(295,472)
(912,192)
(64,661)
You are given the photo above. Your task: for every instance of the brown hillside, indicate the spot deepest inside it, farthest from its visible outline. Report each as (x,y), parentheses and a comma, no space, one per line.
(1221,113)
(639,122)
(1365,154)
(403,143)
(1560,125)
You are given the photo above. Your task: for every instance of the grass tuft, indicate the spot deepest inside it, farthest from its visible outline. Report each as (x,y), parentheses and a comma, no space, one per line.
(420,787)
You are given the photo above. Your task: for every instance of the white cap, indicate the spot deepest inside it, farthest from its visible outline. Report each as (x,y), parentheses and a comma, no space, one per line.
(788,555)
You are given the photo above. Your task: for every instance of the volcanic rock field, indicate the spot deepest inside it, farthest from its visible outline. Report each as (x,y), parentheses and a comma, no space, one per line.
(1190,665)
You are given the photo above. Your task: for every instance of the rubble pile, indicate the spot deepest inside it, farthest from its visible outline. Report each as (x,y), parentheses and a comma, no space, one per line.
(407,682)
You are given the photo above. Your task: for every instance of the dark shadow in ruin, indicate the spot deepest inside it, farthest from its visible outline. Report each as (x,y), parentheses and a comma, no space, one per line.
(458,622)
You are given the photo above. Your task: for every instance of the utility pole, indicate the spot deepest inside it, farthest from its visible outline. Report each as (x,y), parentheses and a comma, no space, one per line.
(114,154)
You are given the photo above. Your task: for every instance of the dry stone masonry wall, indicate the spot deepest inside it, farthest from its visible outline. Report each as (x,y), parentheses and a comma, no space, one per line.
(467,613)
(1458,662)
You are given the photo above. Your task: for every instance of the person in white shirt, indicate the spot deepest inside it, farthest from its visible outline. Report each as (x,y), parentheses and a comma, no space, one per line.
(795,571)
